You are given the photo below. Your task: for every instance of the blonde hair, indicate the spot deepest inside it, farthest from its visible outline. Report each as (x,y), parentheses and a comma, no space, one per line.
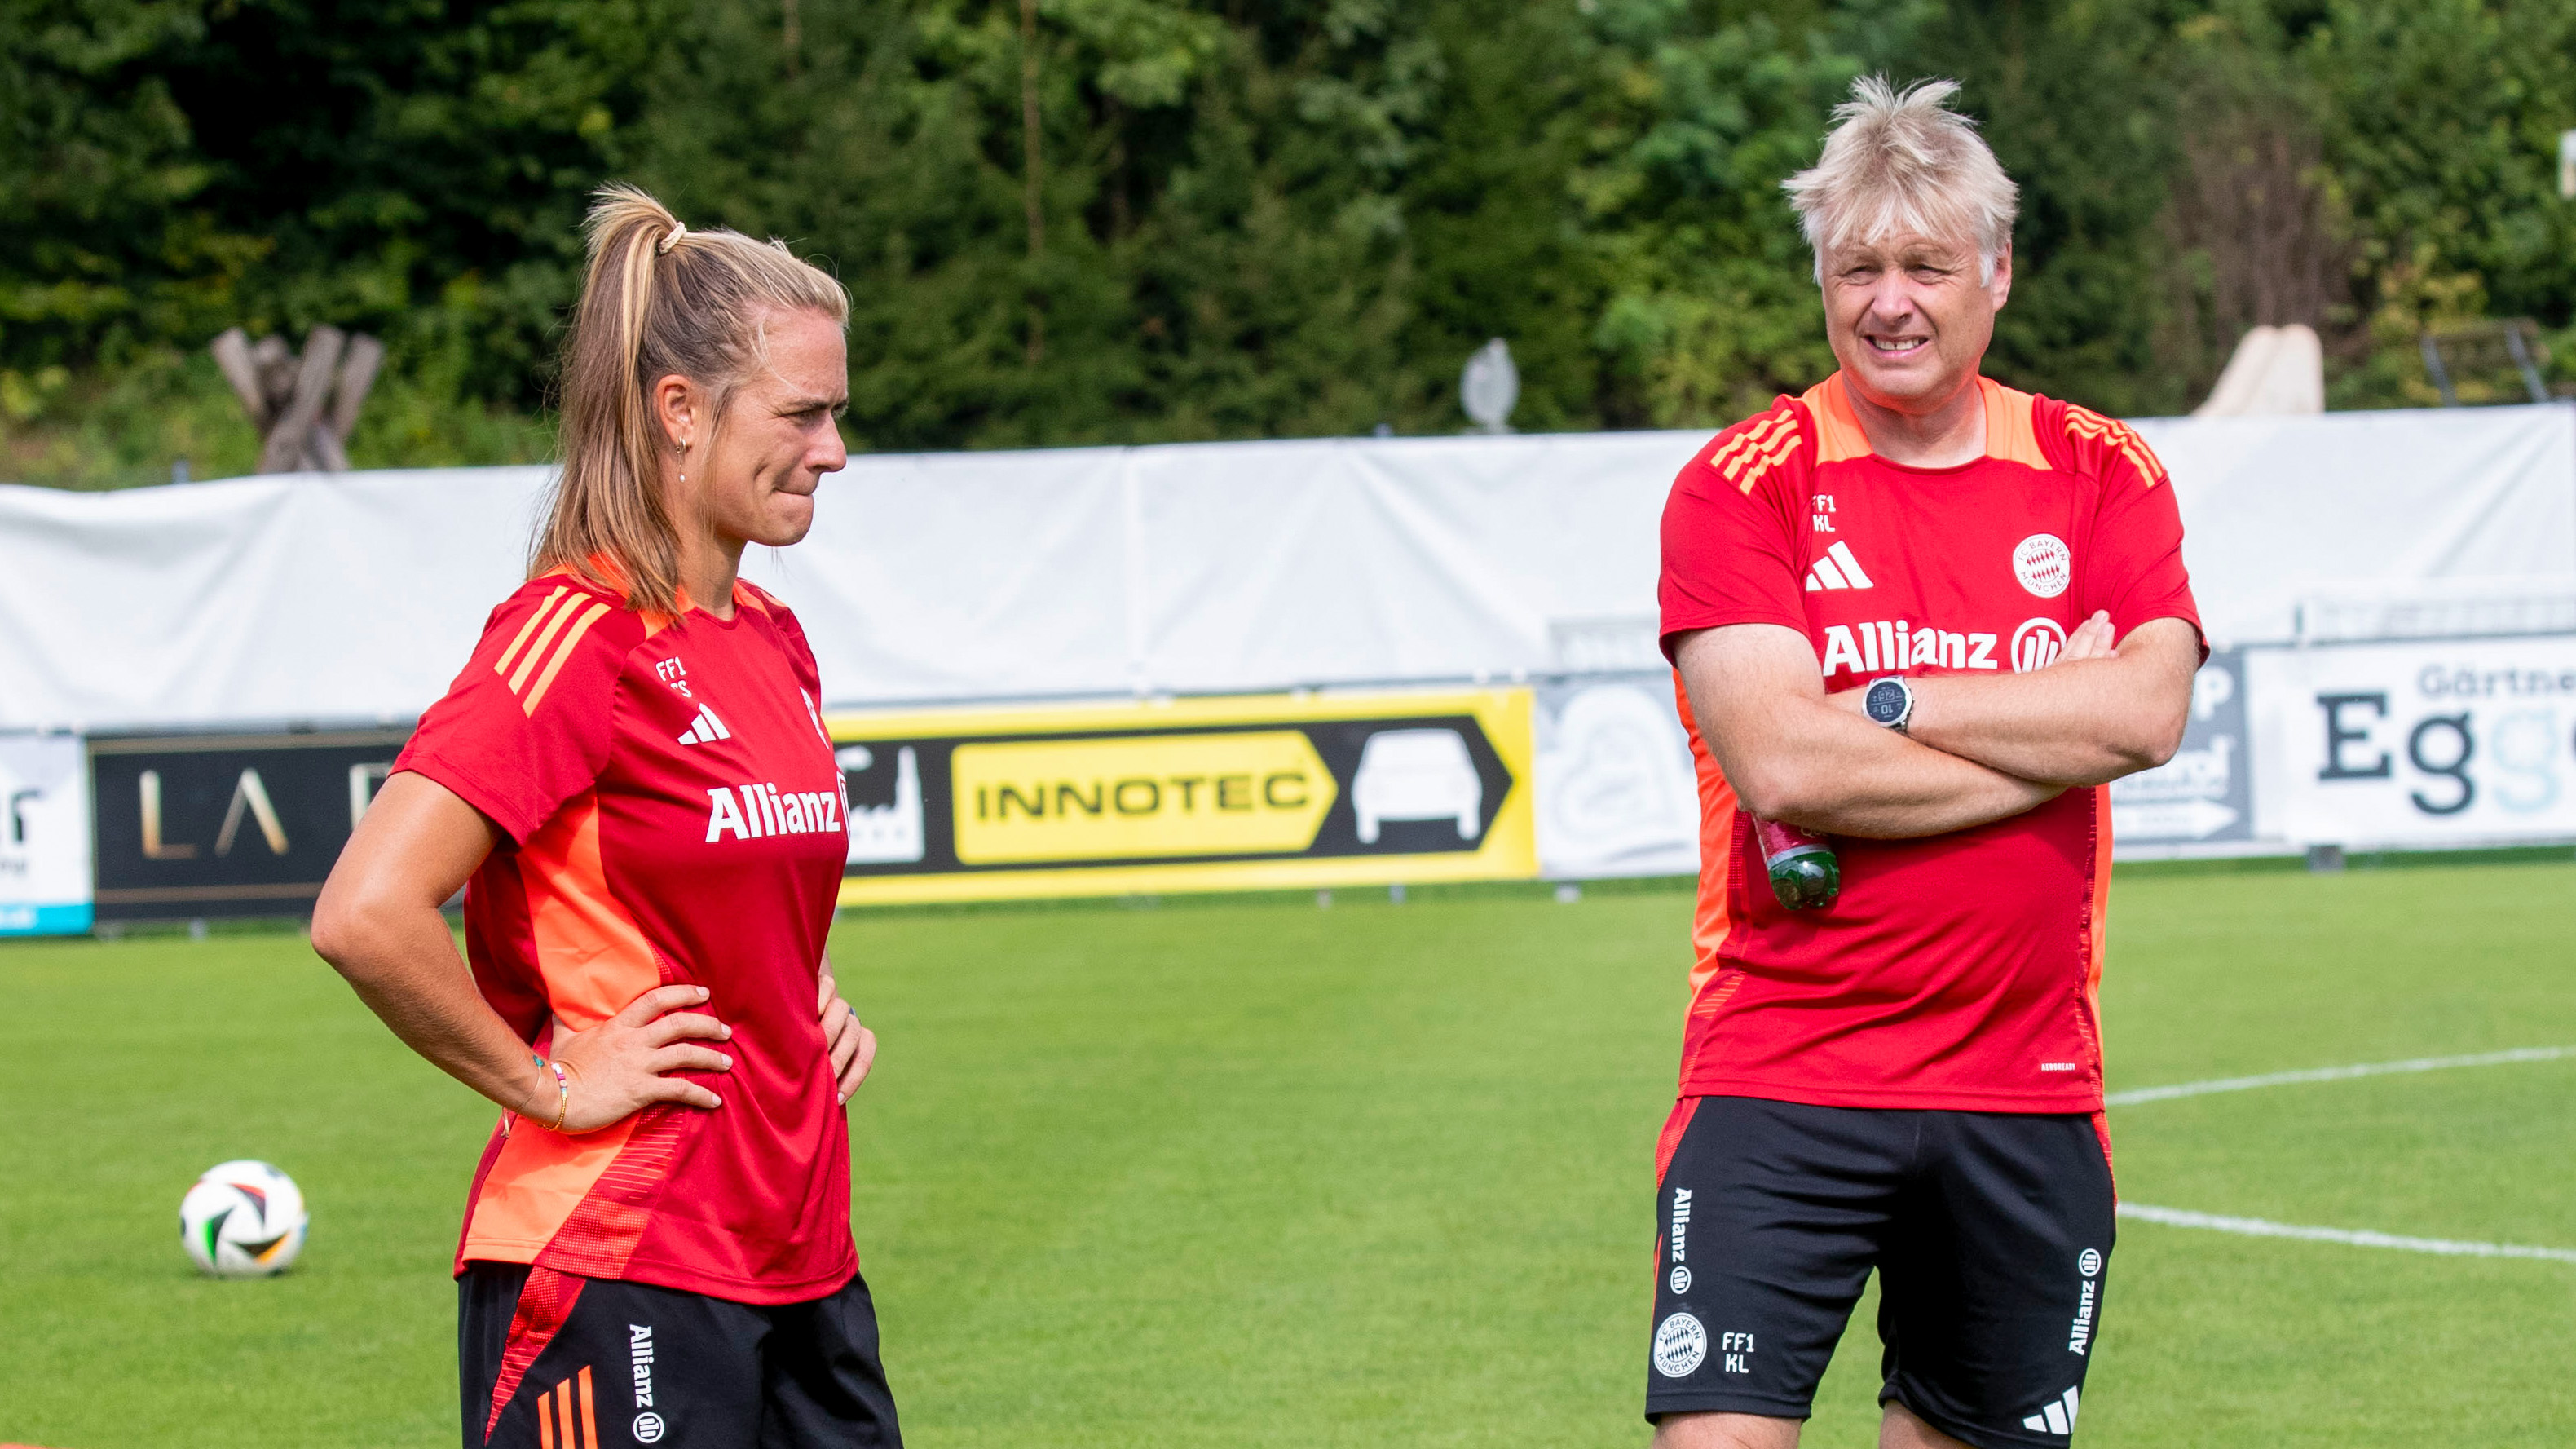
(657,299)
(1903,161)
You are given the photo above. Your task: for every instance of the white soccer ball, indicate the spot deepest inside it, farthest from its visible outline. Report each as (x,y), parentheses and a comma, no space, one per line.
(243,1219)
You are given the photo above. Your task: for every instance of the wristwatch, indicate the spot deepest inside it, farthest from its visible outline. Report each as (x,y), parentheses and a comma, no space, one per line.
(1890,702)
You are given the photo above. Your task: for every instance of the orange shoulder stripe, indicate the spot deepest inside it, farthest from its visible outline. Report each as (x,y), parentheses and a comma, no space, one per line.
(1762,444)
(2012,427)
(1838,434)
(2085,424)
(501,666)
(563,652)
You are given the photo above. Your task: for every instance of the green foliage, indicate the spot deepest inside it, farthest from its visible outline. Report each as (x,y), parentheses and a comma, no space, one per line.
(1232,220)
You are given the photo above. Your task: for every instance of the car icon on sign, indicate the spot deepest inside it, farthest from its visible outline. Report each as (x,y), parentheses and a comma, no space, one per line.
(1417,775)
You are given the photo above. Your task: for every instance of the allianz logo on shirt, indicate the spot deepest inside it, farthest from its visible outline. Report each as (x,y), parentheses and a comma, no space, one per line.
(1887,645)
(751,812)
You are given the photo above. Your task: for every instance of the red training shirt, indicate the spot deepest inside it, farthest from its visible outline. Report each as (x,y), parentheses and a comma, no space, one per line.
(674,816)
(1957,971)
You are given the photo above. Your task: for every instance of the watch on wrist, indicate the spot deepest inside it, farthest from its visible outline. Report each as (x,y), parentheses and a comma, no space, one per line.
(1890,702)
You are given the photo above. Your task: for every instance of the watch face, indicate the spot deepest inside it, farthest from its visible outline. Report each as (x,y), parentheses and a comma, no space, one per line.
(1885,701)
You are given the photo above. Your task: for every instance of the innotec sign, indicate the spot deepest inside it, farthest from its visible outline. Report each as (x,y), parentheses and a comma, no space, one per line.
(1250,793)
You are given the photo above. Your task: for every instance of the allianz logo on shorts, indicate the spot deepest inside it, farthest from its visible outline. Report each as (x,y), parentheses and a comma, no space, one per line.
(648,1425)
(749,812)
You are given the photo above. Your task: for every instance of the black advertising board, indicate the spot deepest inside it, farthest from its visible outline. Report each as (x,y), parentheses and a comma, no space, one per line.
(227,825)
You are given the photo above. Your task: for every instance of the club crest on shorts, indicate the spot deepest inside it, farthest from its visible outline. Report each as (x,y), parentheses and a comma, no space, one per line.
(1681,1344)
(2043,564)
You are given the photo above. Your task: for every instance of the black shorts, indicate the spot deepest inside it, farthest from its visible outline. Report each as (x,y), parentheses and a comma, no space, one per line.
(1990,1232)
(550,1361)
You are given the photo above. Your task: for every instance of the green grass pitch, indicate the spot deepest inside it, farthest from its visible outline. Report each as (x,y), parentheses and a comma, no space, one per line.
(1263,1174)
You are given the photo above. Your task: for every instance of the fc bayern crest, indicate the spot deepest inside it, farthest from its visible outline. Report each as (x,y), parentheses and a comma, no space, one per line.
(2043,564)
(1680,1345)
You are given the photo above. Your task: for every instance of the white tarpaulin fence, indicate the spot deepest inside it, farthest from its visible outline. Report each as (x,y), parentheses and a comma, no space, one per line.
(353,599)
(1186,569)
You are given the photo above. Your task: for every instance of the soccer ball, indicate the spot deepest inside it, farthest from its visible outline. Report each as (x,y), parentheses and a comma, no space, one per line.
(243,1219)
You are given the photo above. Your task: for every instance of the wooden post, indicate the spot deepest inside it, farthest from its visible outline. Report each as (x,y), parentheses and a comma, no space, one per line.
(304,407)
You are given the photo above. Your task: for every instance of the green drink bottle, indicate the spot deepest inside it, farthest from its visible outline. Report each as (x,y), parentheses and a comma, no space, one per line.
(1805,875)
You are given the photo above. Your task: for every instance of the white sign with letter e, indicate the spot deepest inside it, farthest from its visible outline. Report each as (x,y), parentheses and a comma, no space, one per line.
(2426,742)
(44,836)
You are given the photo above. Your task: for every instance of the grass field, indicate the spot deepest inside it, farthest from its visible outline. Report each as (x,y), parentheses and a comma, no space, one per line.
(1263,1174)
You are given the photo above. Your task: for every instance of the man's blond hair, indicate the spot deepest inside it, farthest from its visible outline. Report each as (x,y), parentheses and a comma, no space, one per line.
(1902,161)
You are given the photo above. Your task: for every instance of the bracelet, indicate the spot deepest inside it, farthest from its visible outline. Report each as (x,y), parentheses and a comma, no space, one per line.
(563,1090)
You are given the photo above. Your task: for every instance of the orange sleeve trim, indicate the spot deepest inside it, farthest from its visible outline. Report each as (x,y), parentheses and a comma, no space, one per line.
(1838,431)
(563,652)
(1762,444)
(501,666)
(2012,427)
(528,661)
(2086,425)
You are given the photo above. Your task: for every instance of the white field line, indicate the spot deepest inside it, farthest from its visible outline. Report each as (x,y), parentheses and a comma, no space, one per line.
(2336,1074)
(2262,1228)
(2259,1228)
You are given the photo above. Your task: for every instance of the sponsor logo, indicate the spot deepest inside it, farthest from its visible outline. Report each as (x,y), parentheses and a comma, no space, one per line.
(1142,797)
(1680,1280)
(648,1428)
(2057,1416)
(2089,1263)
(1888,644)
(1837,569)
(2079,1336)
(1681,1345)
(1680,1235)
(565,1416)
(763,809)
(706,729)
(2036,644)
(2043,565)
(639,1349)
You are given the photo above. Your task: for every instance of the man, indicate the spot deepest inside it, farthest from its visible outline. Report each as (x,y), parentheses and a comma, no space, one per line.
(1929,618)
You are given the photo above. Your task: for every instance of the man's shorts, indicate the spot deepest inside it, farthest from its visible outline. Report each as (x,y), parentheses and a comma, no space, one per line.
(1990,1232)
(551,1361)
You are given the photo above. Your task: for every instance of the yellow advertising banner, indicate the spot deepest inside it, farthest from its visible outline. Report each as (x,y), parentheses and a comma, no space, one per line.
(1251,792)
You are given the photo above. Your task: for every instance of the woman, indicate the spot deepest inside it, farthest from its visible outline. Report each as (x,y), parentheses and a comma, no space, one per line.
(632,784)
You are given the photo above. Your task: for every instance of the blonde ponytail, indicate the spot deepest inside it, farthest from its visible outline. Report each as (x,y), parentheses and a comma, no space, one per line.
(657,299)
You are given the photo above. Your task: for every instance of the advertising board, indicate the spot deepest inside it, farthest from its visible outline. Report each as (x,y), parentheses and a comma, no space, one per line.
(2426,742)
(1245,793)
(1617,794)
(228,825)
(2204,795)
(44,836)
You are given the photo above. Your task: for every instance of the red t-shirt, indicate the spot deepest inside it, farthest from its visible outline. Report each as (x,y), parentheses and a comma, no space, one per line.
(1957,971)
(674,815)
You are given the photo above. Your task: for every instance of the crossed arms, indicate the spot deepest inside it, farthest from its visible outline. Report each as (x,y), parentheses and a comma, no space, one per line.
(1979,747)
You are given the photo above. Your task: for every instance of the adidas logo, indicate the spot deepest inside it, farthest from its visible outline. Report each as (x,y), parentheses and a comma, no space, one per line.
(1837,570)
(2057,1417)
(706,729)
(556,1424)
